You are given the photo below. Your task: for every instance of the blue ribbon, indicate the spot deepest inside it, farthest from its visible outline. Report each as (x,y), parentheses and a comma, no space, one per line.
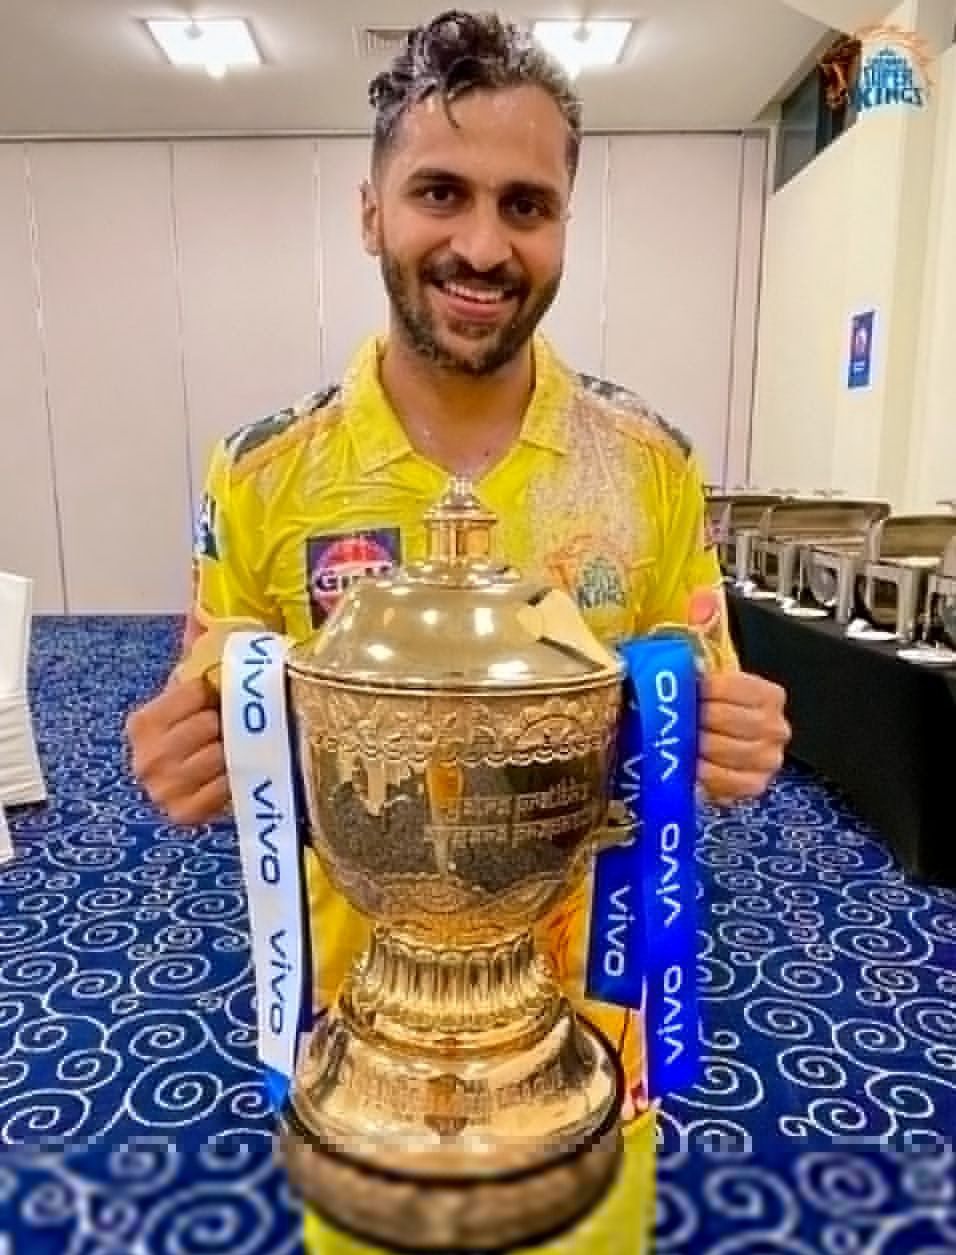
(643,915)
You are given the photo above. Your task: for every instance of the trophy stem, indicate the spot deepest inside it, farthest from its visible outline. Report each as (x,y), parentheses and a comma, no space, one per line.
(434,1000)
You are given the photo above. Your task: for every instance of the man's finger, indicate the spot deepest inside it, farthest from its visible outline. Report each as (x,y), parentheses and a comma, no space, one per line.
(178,701)
(197,808)
(744,723)
(188,738)
(740,688)
(164,753)
(205,766)
(703,609)
(730,786)
(729,752)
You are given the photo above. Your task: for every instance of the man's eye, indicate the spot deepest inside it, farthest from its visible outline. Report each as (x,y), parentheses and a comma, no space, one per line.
(526,208)
(439,195)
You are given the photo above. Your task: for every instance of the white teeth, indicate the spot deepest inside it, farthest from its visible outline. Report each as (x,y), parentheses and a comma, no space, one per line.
(484,296)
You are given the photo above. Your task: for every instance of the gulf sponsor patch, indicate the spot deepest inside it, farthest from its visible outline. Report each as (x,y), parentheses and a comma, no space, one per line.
(334,563)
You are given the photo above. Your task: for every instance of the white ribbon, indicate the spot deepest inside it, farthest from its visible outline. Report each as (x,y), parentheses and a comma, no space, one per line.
(255,726)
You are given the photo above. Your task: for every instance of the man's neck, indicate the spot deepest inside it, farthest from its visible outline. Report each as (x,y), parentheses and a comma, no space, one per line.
(463,423)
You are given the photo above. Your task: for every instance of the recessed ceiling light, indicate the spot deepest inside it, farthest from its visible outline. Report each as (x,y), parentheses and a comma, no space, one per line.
(583,45)
(215,45)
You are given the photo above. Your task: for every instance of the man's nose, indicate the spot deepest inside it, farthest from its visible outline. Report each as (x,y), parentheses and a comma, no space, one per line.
(481,238)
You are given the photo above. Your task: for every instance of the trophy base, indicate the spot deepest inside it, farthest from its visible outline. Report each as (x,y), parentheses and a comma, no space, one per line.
(485,1116)
(487,1216)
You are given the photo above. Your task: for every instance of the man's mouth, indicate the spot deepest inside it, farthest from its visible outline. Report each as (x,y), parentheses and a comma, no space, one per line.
(480,295)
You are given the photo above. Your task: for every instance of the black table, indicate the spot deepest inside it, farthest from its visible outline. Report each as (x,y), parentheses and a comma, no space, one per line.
(882,729)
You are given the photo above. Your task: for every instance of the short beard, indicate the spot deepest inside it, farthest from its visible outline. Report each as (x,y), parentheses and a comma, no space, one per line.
(419,329)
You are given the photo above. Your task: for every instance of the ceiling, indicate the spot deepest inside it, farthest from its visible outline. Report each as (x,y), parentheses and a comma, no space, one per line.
(90,68)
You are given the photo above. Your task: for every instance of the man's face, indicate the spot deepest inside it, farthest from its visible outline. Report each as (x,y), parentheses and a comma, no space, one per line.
(468,220)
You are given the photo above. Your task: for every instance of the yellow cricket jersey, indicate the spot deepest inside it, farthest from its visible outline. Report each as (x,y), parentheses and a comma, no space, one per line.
(597,496)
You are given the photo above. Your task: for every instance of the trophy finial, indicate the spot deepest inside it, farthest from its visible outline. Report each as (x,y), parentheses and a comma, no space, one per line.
(459,527)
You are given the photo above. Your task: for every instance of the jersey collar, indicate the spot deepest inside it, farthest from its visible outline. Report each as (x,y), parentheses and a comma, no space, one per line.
(379,438)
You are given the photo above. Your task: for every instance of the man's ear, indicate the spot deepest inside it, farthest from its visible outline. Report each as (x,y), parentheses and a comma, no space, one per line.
(371,219)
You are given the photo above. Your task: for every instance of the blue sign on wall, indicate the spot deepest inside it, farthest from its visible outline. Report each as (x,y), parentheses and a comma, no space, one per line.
(861,350)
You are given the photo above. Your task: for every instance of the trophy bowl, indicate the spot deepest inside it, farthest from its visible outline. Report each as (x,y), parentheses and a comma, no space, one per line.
(456,729)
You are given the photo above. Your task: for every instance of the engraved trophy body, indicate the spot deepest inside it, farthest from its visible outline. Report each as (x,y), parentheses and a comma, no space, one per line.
(456,729)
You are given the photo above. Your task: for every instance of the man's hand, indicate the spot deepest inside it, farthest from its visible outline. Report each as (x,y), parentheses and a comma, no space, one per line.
(743,730)
(177,753)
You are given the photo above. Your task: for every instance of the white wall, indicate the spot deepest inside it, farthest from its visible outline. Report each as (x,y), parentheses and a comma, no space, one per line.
(29,539)
(675,235)
(932,461)
(247,261)
(113,372)
(162,293)
(831,251)
(851,232)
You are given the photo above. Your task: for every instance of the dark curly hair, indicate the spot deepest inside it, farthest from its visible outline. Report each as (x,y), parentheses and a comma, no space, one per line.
(460,52)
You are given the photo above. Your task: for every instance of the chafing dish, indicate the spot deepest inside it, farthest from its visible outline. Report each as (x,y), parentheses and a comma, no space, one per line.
(828,574)
(882,575)
(940,612)
(785,529)
(900,555)
(729,514)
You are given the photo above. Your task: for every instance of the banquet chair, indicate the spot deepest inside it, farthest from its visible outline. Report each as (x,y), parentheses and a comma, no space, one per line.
(21,777)
(6,845)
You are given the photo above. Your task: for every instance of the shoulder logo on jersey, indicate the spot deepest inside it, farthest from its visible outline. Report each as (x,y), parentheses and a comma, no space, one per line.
(334,563)
(247,439)
(625,399)
(205,540)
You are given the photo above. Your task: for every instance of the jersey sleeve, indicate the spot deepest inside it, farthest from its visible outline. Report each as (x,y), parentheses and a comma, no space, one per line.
(225,580)
(686,562)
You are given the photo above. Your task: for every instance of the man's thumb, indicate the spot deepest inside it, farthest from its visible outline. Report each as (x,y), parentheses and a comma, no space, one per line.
(703,610)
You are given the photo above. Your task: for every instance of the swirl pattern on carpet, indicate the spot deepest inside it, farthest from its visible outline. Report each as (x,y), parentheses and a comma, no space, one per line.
(132,1119)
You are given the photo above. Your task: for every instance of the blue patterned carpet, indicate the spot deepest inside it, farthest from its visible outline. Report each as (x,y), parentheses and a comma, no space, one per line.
(131,1118)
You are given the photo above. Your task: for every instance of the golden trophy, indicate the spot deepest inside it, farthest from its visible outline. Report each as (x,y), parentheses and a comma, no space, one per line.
(456,728)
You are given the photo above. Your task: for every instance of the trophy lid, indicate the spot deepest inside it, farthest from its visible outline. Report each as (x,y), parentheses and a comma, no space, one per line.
(456,620)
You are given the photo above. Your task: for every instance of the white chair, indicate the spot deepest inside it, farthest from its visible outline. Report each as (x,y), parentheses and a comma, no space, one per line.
(21,778)
(6,854)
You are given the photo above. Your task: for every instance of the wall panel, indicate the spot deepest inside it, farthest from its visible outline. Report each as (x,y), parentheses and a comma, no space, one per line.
(108,286)
(671,278)
(245,213)
(29,544)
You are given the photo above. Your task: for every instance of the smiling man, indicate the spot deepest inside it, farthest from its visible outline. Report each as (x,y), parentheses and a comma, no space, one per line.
(466,210)
(467,295)
(474,155)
